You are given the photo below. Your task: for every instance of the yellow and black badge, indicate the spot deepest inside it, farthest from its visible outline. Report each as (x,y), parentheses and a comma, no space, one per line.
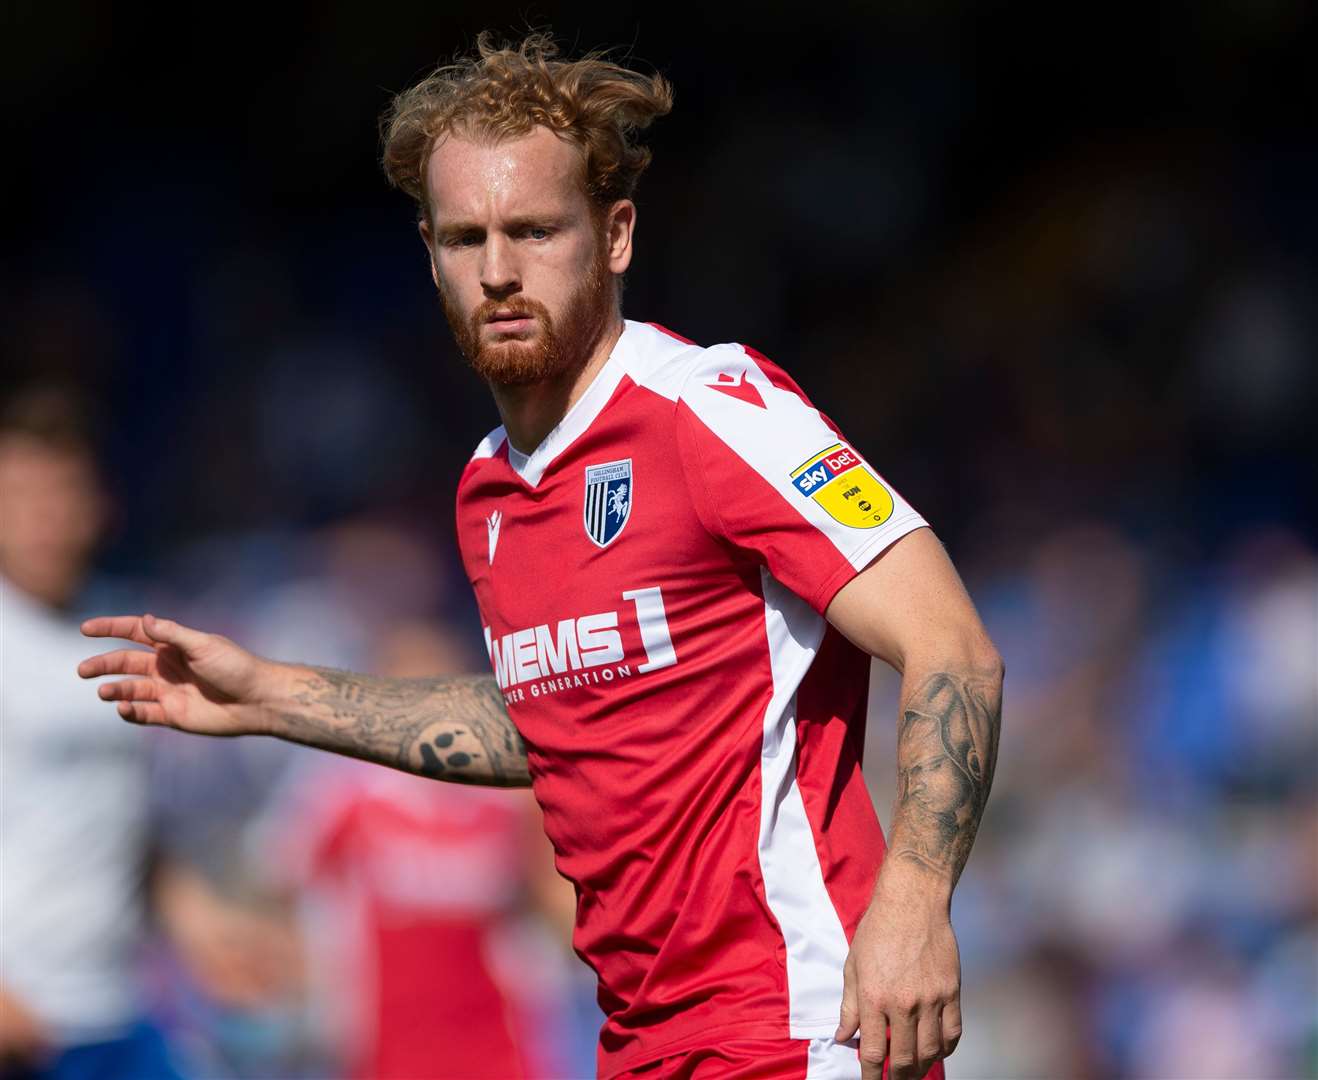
(839,481)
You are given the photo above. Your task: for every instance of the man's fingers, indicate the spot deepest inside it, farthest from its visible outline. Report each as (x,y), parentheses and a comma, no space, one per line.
(142,712)
(849,1019)
(951,1025)
(119,662)
(928,1039)
(901,1047)
(128,627)
(873,1045)
(145,630)
(168,632)
(129,690)
(909,1045)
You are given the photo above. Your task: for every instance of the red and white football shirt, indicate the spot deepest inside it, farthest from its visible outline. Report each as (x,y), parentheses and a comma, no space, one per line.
(651,581)
(416,886)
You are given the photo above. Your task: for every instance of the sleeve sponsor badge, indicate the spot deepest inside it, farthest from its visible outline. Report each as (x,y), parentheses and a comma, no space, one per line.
(841,483)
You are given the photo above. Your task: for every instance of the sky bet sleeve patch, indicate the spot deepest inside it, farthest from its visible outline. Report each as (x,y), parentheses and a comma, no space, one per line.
(839,481)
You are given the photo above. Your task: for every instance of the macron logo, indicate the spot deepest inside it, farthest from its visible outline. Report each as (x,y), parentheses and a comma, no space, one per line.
(492,524)
(738,388)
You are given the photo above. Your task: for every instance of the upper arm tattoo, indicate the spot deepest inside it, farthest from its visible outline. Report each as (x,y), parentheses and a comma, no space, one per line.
(445,728)
(947,746)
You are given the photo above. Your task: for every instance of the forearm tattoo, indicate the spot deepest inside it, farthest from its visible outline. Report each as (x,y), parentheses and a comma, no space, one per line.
(947,745)
(445,728)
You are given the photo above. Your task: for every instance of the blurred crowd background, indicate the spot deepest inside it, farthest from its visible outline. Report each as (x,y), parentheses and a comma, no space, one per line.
(1053,271)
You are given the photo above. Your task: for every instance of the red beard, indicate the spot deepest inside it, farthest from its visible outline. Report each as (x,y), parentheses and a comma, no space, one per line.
(555,347)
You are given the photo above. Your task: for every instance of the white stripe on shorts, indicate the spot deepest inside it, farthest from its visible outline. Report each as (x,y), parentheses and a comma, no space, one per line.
(829,1060)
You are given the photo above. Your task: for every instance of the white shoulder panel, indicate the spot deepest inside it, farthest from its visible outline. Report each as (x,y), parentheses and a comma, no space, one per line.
(658,361)
(778,433)
(771,429)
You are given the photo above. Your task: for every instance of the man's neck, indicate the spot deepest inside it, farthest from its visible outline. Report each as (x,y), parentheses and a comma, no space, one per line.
(531,412)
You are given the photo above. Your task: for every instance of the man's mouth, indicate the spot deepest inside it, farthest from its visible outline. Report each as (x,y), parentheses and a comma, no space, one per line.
(509,321)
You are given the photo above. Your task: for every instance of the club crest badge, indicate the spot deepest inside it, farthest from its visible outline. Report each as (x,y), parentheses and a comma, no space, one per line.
(608,502)
(840,483)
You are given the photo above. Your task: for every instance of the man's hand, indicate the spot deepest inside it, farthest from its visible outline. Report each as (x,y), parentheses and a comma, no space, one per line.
(185,679)
(902,987)
(453,728)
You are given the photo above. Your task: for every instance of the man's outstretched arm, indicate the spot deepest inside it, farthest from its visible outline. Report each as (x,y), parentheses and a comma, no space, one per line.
(452,728)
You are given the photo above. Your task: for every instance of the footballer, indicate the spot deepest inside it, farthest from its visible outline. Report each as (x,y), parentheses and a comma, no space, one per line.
(682,569)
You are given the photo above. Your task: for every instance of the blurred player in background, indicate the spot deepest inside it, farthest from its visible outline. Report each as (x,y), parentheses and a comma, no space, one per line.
(416,897)
(77,856)
(73,802)
(683,570)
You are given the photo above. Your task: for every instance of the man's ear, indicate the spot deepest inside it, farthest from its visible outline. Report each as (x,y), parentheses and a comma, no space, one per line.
(427,238)
(619,226)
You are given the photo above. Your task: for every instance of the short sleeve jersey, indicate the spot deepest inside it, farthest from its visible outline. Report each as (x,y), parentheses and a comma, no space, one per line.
(412,878)
(651,581)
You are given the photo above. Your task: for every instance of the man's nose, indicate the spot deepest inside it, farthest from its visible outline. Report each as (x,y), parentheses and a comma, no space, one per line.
(499,275)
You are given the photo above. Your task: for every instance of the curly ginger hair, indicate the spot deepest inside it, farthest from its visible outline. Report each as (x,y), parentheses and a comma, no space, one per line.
(504,91)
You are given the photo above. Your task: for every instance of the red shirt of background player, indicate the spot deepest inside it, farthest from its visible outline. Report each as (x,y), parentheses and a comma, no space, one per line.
(415,884)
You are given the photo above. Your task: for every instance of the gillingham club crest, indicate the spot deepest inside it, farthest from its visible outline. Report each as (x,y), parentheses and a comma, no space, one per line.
(608,502)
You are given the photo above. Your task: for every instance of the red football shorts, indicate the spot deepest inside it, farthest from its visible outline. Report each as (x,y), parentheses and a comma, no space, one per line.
(762,1059)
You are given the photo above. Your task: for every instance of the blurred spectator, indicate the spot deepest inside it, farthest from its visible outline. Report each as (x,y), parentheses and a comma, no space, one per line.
(73,807)
(424,955)
(76,835)
(1154,857)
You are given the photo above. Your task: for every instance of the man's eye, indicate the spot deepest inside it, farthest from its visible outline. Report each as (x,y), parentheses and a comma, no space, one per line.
(538,232)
